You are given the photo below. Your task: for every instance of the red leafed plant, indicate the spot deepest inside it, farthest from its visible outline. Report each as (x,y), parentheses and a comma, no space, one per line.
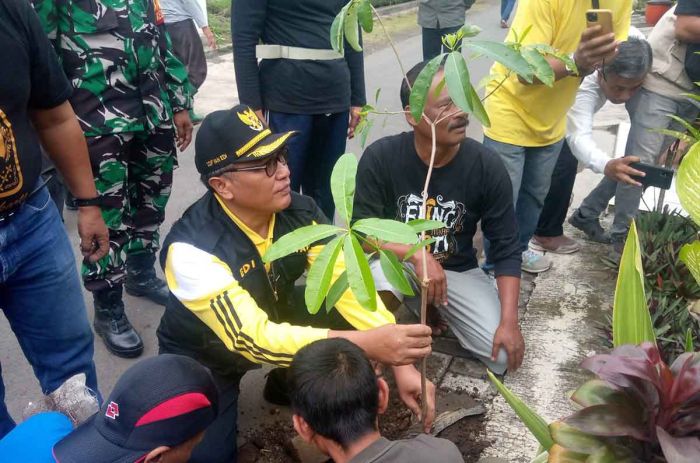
(641,404)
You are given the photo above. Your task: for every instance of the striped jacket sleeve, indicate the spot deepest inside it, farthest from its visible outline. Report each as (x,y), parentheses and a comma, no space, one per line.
(206,286)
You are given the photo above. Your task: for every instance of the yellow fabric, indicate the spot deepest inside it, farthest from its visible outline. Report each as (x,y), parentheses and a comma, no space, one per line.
(205,285)
(347,305)
(535,115)
(262,244)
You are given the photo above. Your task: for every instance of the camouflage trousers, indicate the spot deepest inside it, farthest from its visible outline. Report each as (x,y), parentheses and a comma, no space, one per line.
(133,174)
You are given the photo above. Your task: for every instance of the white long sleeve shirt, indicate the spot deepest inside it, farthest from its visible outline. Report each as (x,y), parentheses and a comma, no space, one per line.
(182,10)
(579,125)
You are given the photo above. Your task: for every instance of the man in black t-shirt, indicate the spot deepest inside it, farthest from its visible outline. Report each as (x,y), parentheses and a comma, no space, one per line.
(688,31)
(41,295)
(469,184)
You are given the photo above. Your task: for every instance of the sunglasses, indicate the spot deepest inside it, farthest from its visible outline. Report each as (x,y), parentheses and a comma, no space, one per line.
(270,166)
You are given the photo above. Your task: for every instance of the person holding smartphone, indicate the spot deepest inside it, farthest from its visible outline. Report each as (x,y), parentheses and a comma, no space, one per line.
(661,95)
(528,120)
(617,81)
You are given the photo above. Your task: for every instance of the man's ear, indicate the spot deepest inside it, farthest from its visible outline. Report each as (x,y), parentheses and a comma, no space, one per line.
(156,455)
(220,186)
(383,402)
(409,117)
(303,429)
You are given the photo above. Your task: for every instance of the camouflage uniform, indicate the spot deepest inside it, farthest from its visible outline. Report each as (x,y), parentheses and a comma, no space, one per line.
(127,85)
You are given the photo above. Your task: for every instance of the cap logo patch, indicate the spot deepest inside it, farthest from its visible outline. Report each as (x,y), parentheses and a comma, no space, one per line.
(216,160)
(112,410)
(249,118)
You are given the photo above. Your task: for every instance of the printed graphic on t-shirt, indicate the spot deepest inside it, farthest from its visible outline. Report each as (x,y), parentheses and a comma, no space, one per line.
(11,180)
(451,213)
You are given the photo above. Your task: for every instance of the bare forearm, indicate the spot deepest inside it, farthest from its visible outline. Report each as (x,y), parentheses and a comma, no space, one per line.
(688,29)
(64,142)
(508,293)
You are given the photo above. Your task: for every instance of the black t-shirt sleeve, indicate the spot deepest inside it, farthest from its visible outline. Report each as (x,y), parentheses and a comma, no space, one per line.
(248,21)
(369,192)
(49,85)
(498,221)
(688,7)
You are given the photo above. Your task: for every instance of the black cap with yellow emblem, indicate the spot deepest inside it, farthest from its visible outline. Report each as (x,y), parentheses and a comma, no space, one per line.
(234,135)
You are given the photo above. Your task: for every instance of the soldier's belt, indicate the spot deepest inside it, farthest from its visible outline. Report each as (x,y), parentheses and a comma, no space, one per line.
(285,52)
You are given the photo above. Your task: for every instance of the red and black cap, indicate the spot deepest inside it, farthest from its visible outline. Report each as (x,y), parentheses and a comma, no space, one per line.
(161,401)
(234,135)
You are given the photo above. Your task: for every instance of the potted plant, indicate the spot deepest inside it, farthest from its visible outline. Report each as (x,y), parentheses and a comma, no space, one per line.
(655,9)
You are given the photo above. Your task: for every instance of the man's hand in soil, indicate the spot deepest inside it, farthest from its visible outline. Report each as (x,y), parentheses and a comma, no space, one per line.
(391,344)
(183,125)
(408,385)
(619,170)
(437,281)
(593,49)
(94,237)
(354,120)
(509,337)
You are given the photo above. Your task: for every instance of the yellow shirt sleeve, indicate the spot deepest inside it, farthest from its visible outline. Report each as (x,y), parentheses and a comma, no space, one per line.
(205,285)
(347,305)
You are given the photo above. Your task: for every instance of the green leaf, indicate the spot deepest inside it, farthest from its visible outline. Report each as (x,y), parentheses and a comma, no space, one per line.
(364,132)
(559,454)
(478,108)
(376,95)
(537,426)
(393,271)
(607,455)
(687,181)
(689,347)
(470,30)
(364,14)
(359,274)
(343,185)
(596,392)
(631,317)
(524,34)
(299,239)
(686,125)
(319,278)
(573,439)
(503,54)
(682,136)
(548,50)
(387,230)
(438,88)
(337,31)
(458,84)
(417,247)
(337,290)
(419,225)
(541,68)
(690,256)
(352,32)
(610,420)
(419,91)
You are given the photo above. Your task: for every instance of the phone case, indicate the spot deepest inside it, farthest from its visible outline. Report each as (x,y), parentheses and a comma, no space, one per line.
(656,176)
(602,18)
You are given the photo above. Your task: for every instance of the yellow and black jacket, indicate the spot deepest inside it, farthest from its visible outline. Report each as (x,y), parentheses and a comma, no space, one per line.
(225,303)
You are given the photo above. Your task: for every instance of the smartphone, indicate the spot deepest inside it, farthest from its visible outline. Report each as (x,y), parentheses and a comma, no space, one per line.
(657,176)
(601,18)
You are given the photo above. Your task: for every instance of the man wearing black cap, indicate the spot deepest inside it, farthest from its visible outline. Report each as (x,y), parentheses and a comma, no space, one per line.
(231,311)
(157,412)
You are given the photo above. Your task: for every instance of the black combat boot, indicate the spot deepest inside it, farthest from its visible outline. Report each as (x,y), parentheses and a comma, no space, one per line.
(141,278)
(112,325)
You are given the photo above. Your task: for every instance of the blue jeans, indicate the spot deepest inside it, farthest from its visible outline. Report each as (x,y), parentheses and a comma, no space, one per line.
(530,170)
(506,9)
(41,297)
(313,152)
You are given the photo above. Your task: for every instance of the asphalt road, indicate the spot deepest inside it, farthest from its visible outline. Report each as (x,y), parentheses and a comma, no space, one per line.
(219,92)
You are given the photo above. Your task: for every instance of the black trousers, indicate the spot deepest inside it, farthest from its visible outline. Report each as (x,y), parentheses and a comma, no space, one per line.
(189,49)
(432,40)
(556,204)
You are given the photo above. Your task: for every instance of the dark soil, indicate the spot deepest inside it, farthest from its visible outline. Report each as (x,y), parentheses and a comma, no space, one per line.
(273,443)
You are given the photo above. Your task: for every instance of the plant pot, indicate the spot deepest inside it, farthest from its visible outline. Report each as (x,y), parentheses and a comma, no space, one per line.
(655,9)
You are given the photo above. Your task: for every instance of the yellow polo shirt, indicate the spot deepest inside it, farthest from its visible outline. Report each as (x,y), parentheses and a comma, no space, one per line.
(535,115)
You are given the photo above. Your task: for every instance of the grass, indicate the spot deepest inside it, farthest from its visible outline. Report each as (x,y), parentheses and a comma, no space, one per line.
(220,23)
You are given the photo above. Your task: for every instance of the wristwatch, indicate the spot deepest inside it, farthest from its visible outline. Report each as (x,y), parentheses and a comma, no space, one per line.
(96,201)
